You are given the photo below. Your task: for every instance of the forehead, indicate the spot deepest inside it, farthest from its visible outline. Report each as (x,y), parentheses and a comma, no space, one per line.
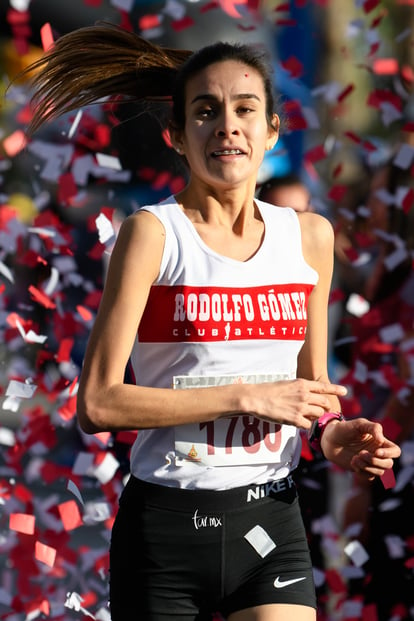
(227,76)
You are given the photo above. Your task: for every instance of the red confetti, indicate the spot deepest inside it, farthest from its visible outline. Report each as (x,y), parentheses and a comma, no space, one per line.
(68,411)
(380,96)
(182,24)
(306,451)
(161,180)
(352,137)
(146,22)
(246,28)
(408,201)
(385,66)
(391,428)
(407,73)
(315,154)
(369,5)
(45,554)
(22,493)
(347,91)
(84,313)
(336,295)
(97,251)
(351,253)
(126,437)
(70,515)
(388,479)
(15,143)
(293,66)
(335,581)
(65,348)
(41,297)
(283,7)
(337,192)
(67,188)
(286,22)
(7,214)
(22,523)
(46,35)
(210,6)
(177,184)
(369,613)
(17,17)
(293,112)
(229,7)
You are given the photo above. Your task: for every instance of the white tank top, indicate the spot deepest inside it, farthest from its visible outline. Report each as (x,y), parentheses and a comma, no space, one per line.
(211,320)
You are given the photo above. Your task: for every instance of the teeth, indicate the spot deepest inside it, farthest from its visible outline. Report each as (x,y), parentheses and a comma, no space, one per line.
(228,152)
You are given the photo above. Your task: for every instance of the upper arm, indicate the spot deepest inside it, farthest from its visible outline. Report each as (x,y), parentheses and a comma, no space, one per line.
(133,267)
(318,250)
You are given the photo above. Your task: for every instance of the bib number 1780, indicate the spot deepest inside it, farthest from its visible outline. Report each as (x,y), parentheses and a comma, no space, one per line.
(251,432)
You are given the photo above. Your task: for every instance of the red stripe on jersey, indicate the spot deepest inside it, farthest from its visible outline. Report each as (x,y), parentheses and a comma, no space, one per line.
(184,313)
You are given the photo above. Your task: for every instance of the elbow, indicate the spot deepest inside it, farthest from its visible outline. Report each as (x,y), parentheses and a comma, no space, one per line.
(89,415)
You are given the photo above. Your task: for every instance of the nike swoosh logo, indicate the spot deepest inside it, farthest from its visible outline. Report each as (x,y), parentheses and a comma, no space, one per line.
(279,584)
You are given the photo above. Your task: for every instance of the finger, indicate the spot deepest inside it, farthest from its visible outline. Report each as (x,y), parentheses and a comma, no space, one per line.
(373,429)
(329,389)
(388,449)
(366,462)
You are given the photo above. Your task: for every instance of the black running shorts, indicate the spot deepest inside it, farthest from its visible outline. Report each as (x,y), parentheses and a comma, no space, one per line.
(187,554)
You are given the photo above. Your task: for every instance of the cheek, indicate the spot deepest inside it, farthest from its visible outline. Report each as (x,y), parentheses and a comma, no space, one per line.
(260,137)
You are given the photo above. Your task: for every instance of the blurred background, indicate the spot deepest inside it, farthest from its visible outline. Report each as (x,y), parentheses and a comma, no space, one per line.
(343,79)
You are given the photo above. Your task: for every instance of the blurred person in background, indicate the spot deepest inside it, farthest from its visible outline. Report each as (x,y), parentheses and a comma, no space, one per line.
(286,191)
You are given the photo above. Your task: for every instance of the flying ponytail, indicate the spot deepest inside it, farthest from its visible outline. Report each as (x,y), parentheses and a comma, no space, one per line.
(96,62)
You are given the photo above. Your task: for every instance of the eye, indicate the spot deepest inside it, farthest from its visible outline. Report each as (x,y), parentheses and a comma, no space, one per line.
(206,112)
(245,109)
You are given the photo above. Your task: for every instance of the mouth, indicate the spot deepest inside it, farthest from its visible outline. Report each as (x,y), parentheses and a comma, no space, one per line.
(226,152)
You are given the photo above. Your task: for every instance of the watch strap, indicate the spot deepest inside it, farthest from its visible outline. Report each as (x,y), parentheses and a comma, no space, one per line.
(318,428)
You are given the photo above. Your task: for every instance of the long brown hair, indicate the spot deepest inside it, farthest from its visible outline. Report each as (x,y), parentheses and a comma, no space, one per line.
(105,61)
(98,62)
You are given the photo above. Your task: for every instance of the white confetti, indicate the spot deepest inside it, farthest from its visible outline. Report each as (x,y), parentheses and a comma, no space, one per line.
(105,229)
(106,469)
(21,390)
(392,333)
(356,552)
(108,161)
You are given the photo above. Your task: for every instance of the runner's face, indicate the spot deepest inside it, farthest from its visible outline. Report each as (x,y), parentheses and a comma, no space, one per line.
(226,130)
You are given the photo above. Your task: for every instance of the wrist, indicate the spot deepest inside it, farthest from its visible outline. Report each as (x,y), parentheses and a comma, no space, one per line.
(319,426)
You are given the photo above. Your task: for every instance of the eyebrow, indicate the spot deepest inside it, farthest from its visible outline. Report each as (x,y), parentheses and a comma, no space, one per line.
(209,97)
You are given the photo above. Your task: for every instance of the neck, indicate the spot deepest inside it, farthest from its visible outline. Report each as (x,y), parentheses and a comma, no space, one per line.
(234,207)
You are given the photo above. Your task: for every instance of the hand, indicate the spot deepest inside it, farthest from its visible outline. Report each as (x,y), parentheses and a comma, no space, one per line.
(359,445)
(292,402)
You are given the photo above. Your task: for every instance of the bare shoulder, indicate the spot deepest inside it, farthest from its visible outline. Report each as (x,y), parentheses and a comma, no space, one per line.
(317,238)
(139,246)
(142,222)
(315,226)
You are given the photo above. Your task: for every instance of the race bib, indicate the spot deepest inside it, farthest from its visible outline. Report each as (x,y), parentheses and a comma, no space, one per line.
(232,441)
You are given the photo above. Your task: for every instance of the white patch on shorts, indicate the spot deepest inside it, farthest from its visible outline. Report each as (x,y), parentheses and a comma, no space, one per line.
(260,540)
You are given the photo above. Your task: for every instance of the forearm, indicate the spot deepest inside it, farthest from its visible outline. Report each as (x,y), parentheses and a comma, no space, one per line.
(126,406)
(112,406)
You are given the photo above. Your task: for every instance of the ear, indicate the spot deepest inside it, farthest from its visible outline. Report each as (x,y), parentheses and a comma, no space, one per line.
(273,133)
(176,138)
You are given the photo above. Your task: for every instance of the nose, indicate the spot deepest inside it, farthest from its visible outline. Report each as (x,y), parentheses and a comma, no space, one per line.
(227,124)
